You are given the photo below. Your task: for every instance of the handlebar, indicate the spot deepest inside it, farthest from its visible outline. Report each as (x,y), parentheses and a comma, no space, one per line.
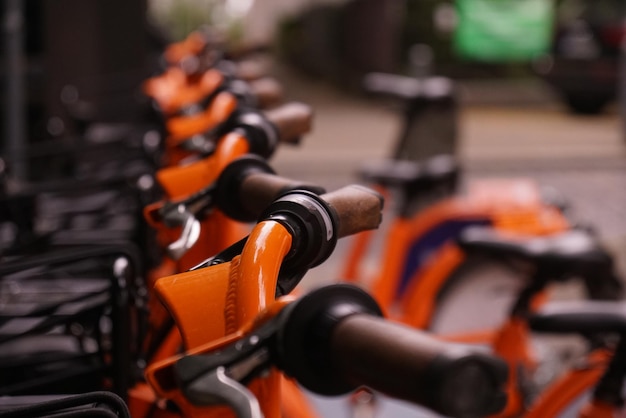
(416,367)
(291,121)
(334,340)
(314,222)
(248,185)
(250,69)
(267,92)
(248,188)
(263,93)
(243,190)
(262,130)
(358,209)
(317,222)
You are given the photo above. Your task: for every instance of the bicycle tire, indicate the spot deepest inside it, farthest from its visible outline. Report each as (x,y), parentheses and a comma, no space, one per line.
(491,285)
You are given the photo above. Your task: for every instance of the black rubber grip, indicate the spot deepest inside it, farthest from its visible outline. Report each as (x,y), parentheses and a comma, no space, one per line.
(259,190)
(248,185)
(412,365)
(267,91)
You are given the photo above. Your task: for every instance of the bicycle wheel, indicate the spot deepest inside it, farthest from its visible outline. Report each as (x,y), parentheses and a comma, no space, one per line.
(476,300)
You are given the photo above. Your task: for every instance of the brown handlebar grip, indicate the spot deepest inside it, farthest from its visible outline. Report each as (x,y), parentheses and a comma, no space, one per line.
(248,185)
(250,70)
(267,91)
(358,208)
(409,364)
(392,85)
(291,120)
(259,190)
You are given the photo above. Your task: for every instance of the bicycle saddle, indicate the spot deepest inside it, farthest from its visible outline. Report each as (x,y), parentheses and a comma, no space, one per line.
(581,317)
(571,253)
(437,171)
(409,88)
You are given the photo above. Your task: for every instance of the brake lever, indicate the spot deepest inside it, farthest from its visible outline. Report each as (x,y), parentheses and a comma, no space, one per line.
(217,387)
(219,378)
(189,234)
(202,144)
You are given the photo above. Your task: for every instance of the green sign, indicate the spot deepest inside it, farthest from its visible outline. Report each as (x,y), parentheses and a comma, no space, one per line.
(503,30)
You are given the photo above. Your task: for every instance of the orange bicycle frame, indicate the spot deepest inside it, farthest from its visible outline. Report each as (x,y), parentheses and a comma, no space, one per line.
(184,127)
(232,295)
(571,386)
(217,231)
(193,45)
(174,89)
(515,209)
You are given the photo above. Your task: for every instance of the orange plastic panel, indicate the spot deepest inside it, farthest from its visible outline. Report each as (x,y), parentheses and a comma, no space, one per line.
(192,45)
(181,181)
(183,127)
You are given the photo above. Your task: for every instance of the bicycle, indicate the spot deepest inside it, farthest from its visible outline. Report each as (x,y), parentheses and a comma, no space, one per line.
(193,186)
(551,259)
(419,240)
(244,188)
(177,94)
(250,132)
(436,177)
(297,231)
(189,129)
(423,177)
(245,131)
(205,47)
(78,238)
(592,388)
(421,262)
(420,257)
